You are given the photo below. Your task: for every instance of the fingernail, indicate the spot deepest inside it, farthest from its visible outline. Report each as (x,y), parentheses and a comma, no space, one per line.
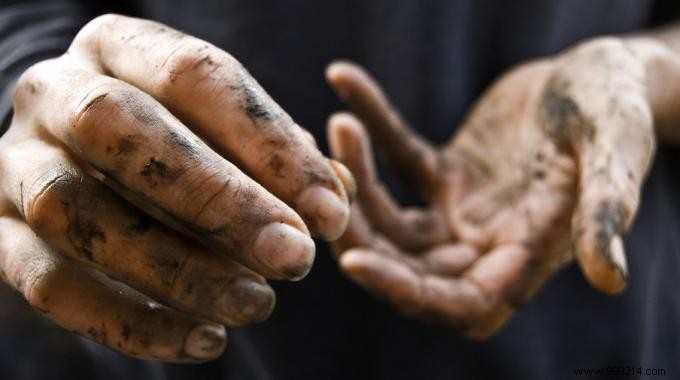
(205,342)
(618,256)
(324,211)
(247,300)
(285,250)
(346,178)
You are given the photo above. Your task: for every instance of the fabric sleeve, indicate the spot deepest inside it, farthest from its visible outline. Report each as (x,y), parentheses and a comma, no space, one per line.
(31,31)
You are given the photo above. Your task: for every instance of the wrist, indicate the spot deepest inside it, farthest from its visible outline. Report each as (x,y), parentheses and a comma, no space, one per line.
(662,79)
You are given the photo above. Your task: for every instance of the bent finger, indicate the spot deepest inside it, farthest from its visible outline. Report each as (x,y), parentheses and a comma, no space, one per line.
(410,155)
(99,309)
(411,229)
(453,301)
(131,138)
(218,98)
(88,222)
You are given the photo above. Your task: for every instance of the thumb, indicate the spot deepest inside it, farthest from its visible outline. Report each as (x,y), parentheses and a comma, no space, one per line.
(612,167)
(597,97)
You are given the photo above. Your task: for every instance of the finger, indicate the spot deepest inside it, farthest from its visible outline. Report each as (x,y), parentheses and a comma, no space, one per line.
(131,138)
(88,222)
(347,179)
(449,259)
(219,99)
(358,233)
(411,229)
(613,140)
(411,156)
(507,276)
(99,309)
(449,300)
(479,302)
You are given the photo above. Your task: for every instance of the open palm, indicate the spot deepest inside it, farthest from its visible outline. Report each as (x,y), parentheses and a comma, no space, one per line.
(551,158)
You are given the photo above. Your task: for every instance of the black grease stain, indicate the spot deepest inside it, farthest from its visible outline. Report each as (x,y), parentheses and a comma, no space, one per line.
(127,145)
(539,156)
(563,116)
(21,198)
(168,267)
(82,232)
(142,225)
(98,335)
(183,142)
(125,332)
(156,171)
(276,164)
(256,105)
(609,218)
(539,174)
(145,342)
(189,288)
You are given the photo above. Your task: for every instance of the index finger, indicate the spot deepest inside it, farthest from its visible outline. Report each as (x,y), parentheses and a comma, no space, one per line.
(413,157)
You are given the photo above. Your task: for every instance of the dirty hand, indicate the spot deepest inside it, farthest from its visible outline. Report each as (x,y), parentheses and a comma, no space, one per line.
(134,115)
(549,161)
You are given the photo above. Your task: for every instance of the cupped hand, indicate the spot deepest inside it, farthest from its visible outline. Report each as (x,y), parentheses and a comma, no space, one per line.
(547,165)
(150,186)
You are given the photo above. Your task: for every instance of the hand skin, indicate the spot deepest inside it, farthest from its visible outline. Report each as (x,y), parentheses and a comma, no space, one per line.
(179,127)
(547,166)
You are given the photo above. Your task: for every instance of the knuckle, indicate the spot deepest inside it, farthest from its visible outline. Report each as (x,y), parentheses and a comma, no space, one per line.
(29,85)
(601,45)
(211,190)
(189,62)
(39,285)
(89,120)
(46,196)
(95,27)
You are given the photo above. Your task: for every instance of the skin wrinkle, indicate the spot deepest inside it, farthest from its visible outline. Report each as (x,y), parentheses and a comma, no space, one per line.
(209,201)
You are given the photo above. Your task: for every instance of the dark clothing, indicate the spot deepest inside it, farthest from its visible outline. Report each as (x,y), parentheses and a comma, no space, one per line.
(433,58)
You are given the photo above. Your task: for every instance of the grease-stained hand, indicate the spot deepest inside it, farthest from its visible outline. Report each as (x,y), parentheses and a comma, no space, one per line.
(138,115)
(547,165)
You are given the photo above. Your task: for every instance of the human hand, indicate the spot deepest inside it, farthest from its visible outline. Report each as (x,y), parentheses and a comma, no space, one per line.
(549,161)
(125,106)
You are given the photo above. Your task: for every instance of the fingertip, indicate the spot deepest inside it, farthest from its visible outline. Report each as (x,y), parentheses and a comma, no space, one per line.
(338,69)
(345,132)
(352,259)
(346,178)
(247,300)
(346,123)
(604,265)
(600,221)
(285,251)
(325,212)
(206,342)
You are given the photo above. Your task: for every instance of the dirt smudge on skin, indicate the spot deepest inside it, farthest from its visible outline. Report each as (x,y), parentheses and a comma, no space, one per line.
(142,225)
(256,104)
(155,168)
(127,145)
(609,218)
(82,232)
(539,174)
(563,117)
(177,139)
(125,332)
(100,335)
(276,164)
(156,171)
